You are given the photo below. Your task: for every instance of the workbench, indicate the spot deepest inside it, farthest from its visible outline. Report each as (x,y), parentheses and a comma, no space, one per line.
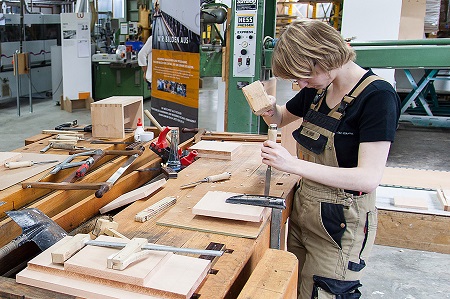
(73,210)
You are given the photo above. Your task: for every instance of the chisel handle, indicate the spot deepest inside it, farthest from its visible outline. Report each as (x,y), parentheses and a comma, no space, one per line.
(18,164)
(218,177)
(102,190)
(272,132)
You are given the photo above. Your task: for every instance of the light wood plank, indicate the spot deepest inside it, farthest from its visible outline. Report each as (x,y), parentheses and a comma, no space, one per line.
(213,204)
(216,149)
(133,195)
(411,202)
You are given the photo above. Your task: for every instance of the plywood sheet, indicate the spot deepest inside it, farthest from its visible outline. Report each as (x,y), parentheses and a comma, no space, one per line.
(177,277)
(91,260)
(181,216)
(213,204)
(217,150)
(11,177)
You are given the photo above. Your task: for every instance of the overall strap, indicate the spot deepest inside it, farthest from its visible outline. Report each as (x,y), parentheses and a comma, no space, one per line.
(339,111)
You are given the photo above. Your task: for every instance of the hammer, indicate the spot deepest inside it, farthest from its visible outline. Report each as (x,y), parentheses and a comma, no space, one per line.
(36,227)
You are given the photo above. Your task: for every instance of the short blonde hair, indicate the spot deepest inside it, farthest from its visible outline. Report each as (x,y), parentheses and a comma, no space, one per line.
(305,43)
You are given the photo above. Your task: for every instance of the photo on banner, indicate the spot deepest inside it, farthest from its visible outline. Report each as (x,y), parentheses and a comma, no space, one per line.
(176,63)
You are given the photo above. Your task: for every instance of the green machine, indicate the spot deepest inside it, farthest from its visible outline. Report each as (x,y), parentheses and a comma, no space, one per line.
(421,105)
(252,21)
(118,79)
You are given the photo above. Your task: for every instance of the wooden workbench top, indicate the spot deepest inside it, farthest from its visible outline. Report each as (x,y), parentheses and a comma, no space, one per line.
(70,208)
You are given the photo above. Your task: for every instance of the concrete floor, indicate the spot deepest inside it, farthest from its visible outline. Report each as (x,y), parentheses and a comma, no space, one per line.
(391,272)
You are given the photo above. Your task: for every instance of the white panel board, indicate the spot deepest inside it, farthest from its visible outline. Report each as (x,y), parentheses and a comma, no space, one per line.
(76,54)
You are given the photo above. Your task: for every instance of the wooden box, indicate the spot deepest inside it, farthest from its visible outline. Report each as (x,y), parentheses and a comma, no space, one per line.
(112,115)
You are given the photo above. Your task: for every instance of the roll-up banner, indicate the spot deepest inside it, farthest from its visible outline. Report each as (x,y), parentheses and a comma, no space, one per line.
(176,63)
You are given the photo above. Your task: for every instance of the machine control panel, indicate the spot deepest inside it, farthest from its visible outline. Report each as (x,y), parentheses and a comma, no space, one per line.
(244,48)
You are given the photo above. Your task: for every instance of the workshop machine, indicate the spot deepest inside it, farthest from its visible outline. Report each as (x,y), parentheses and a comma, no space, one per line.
(115,68)
(42,31)
(421,105)
(245,47)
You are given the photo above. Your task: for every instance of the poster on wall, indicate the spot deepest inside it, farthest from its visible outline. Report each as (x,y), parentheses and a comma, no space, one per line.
(76,55)
(176,63)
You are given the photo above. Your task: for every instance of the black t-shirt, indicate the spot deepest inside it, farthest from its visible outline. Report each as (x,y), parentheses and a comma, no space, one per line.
(373,116)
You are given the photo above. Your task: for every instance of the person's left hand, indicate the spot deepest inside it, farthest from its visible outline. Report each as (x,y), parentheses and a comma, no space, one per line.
(273,154)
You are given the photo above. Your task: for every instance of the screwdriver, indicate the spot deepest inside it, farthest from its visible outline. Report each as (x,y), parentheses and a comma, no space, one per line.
(20,164)
(209,179)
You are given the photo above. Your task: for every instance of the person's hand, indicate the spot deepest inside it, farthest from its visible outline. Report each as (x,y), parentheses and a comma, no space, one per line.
(273,154)
(271,112)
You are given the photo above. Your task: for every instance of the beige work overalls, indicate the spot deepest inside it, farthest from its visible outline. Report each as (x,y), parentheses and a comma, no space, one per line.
(331,231)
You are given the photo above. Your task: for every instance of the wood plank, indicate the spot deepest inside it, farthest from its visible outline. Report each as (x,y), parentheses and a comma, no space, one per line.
(418,178)
(91,260)
(132,196)
(12,290)
(444,198)
(414,231)
(213,204)
(274,277)
(411,202)
(11,177)
(216,149)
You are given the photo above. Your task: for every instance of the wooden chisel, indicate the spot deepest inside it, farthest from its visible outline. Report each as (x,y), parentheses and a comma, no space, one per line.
(272,135)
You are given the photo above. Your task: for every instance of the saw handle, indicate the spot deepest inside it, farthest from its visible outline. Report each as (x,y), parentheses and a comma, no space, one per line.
(218,177)
(14,244)
(18,164)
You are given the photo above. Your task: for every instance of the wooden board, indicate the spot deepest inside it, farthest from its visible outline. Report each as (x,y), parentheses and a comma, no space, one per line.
(181,216)
(213,204)
(11,177)
(411,202)
(257,97)
(177,277)
(216,149)
(91,260)
(8,157)
(419,178)
(274,277)
(132,196)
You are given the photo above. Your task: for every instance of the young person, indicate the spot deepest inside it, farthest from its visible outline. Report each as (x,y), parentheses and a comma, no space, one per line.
(349,121)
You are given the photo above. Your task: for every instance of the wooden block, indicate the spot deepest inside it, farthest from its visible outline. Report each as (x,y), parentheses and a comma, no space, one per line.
(112,115)
(216,149)
(213,204)
(444,198)
(69,248)
(411,202)
(257,97)
(274,277)
(132,196)
(101,225)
